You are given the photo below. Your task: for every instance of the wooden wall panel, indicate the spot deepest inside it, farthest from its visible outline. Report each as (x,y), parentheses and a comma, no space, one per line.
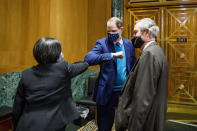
(99,11)
(23,22)
(177,37)
(180,43)
(77,24)
(69,25)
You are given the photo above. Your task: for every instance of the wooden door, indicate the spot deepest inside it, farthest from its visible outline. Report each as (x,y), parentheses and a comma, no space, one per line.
(178,38)
(181,50)
(139,13)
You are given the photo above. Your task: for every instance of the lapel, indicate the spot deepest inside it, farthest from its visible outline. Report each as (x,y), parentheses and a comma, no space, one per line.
(126,48)
(151,44)
(130,75)
(133,68)
(134,65)
(110,47)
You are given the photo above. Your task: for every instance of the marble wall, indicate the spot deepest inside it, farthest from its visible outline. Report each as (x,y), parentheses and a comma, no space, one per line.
(9,82)
(79,84)
(117,8)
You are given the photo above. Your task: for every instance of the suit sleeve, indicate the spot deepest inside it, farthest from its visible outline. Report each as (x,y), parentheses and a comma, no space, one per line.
(144,91)
(77,68)
(19,102)
(96,55)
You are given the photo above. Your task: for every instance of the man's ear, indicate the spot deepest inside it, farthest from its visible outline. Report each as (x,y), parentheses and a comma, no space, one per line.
(147,32)
(122,28)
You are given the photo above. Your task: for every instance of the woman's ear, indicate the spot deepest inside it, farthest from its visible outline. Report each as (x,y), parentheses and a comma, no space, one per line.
(61,57)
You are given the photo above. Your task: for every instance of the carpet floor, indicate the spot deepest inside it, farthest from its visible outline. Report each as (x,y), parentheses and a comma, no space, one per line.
(170,126)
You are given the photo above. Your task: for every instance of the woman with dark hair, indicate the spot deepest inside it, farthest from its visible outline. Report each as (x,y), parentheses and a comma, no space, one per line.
(43,100)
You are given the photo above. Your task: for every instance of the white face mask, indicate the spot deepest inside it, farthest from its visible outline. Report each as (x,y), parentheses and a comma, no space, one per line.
(61,58)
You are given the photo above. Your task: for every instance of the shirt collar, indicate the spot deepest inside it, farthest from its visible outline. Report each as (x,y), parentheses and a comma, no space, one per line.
(148,44)
(120,41)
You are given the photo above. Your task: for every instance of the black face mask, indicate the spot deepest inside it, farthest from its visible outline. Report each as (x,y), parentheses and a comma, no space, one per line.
(137,41)
(113,36)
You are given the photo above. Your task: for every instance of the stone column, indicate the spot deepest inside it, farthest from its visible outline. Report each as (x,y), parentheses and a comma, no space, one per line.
(117,8)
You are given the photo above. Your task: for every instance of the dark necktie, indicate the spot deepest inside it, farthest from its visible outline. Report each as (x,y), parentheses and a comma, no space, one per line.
(118,44)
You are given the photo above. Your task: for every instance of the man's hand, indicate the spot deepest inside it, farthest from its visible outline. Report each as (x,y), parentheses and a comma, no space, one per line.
(118,54)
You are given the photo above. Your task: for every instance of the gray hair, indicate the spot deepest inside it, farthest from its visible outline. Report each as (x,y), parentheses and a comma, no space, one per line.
(149,24)
(115,20)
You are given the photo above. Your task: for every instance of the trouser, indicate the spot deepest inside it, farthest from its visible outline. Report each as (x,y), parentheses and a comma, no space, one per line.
(106,113)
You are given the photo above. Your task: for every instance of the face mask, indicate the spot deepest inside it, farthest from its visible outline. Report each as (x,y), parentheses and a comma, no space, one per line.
(113,36)
(137,41)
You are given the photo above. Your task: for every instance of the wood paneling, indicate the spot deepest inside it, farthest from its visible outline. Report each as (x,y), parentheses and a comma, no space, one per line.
(23,22)
(181,23)
(6,124)
(77,24)
(143,0)
(69,25)
(137,14)
(175,23)
(99,11)
(161,3)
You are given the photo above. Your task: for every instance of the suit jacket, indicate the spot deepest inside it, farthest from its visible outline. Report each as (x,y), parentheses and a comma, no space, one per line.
(43,101)
(143,103)
(101,54)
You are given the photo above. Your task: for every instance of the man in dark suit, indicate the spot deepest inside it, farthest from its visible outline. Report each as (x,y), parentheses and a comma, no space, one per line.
(43,100)
(116,56)
(143,103)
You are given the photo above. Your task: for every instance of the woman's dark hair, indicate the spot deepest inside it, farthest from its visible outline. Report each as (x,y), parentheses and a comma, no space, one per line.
(47,50)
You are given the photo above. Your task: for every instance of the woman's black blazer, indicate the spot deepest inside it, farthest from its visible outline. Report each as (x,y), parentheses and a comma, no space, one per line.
(43,100)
